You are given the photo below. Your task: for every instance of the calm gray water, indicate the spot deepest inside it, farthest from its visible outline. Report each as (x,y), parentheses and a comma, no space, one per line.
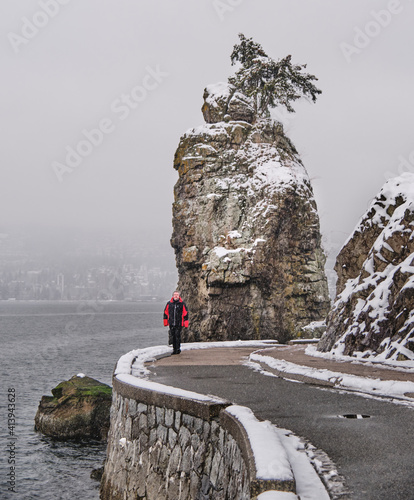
(42,344)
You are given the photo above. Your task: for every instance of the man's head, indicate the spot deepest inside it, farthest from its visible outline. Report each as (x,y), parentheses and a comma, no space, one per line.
(176,295)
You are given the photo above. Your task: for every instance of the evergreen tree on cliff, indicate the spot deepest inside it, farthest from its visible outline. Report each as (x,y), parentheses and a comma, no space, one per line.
(268,82)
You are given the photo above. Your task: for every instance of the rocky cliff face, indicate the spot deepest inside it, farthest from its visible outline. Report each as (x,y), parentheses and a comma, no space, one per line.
(373,314)
(245,227)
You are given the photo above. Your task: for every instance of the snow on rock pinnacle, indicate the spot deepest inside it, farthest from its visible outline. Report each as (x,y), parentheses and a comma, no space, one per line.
(373,314)
(245,227)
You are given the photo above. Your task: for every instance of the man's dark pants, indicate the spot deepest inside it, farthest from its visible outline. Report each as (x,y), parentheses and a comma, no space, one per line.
(175,332)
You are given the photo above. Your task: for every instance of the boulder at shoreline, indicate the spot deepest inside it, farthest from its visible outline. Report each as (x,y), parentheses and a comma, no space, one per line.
(79,409)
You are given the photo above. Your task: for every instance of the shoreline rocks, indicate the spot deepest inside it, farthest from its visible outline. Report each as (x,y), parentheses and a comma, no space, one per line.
(79,409)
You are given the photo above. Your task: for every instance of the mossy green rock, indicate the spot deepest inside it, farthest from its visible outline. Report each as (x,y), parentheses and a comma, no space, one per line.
(79,409)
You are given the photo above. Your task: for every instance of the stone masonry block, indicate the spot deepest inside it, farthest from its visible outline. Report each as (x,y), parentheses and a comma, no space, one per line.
(206,431)
(175,460)
(195,441)
(199,457)
(177,423)
(173,488)
(184,437)
(142,408)
(152,436)
(187,460)
(164,459)
(195,484)
(151,416)
(143,422)
(169,417)
(160,415)
(198,425)
(143,441)
(132,407)
(154,486)
(185,486)
(188,421)
(172,438)
(215,466)
(128,427)
(162,433)
(135,429)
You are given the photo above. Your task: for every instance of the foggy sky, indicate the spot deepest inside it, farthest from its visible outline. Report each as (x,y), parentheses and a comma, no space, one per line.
(76,72)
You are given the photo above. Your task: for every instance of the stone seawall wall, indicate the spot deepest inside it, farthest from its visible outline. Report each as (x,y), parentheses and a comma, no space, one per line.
(163,446)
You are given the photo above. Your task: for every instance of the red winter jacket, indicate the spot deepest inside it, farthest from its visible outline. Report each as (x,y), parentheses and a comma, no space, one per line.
(175,313)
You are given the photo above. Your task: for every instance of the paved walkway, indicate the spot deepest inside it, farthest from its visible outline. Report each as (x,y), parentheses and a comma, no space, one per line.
(224,356)
(214,356)
(374,454)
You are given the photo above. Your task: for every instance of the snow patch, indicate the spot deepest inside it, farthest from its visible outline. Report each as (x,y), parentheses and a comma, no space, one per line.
(220,90)
(301,456)
(388,388)
(365,357)
(270,456)
(167,389)
(234,234)
(133,362)
(277,495)
(315,324)
(225,252)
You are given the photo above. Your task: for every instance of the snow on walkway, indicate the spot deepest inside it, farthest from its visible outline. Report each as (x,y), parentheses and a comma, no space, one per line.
(373,386)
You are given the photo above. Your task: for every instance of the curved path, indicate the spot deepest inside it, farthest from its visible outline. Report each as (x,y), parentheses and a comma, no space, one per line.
(374,455)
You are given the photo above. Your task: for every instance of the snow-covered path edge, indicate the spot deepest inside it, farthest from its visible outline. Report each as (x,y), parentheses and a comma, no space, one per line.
(307,469)
(383,388)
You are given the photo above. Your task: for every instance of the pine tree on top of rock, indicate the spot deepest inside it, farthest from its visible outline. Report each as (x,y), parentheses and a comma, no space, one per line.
(270,83)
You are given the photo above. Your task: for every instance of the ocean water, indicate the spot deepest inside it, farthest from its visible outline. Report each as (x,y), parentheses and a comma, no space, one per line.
(41,344)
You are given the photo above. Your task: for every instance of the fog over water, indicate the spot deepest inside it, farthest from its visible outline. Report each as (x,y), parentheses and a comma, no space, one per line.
(106,88)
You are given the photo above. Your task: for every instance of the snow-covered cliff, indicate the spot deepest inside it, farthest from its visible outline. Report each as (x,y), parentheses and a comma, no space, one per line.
(373,312)
(245,226)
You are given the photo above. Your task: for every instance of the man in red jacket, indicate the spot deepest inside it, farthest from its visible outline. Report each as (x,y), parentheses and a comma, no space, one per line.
(176,317)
